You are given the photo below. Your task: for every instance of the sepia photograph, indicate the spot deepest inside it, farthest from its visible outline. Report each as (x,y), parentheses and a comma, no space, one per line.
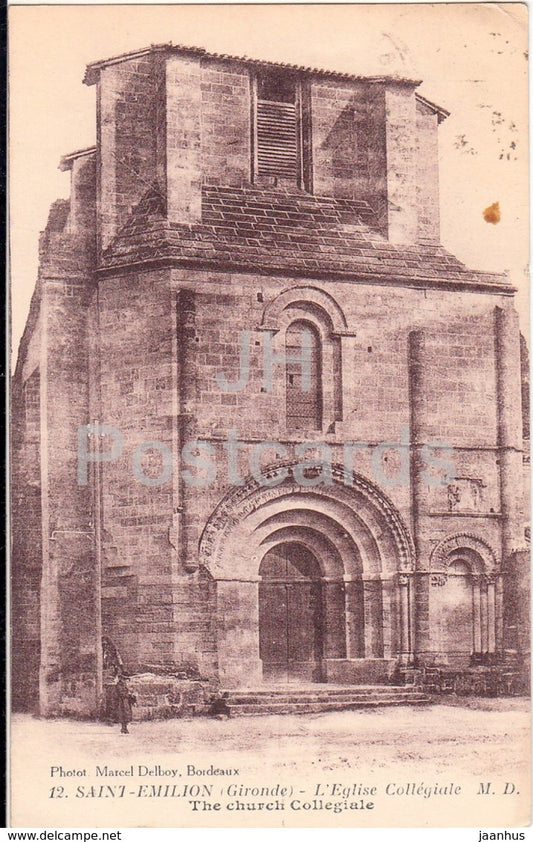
(269,433)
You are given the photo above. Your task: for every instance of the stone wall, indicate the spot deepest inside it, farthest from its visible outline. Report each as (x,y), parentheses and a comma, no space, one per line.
(159,697)
(414,349)
(159,388)
(26,548)
(181,120)
(226,123)
(151,610)
(427,174)
(348,141)
(58,573)
(131,139)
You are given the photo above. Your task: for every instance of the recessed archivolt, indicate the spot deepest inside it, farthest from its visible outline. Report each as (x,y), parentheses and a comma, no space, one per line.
(478,553)
(238,549)
(347,531)
(360,520)
(322,548)
(313,300)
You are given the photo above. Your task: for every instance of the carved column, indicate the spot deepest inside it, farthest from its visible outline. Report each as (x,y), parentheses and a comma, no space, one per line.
(476,612)
(387,607)
(484,619)
(499,614)
(373,613)
(355,622)
(334,604)
(491,615)
(418,367)
(405,620)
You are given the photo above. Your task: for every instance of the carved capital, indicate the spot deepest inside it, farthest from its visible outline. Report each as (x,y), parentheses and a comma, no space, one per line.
(437,580)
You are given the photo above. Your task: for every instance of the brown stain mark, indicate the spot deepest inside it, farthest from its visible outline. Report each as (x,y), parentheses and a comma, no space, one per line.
(492,213)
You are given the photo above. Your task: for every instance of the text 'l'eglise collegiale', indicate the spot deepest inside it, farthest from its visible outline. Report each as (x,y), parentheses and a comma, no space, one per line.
(267,430)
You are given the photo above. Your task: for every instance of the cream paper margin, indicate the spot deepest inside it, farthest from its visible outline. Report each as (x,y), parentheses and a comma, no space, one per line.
(472,60)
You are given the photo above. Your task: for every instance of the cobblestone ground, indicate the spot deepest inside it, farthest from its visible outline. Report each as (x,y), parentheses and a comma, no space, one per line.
(454,741)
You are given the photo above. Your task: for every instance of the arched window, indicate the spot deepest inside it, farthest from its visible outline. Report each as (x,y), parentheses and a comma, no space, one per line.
(303,377)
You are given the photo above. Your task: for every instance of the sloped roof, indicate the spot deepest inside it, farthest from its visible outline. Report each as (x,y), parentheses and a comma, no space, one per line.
(92,71)
(66,161)
(279,231)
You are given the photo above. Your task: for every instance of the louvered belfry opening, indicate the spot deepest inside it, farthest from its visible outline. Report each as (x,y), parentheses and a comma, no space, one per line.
(277,126)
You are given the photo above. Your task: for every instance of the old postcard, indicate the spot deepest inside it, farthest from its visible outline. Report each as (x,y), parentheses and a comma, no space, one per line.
(269,416)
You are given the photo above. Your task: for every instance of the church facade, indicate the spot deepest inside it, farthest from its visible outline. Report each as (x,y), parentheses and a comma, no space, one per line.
(266,428)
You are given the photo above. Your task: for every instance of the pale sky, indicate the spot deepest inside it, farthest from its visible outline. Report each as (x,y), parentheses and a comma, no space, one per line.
(471,57)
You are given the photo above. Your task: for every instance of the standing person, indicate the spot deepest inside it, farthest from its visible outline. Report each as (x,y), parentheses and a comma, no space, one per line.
(125,700)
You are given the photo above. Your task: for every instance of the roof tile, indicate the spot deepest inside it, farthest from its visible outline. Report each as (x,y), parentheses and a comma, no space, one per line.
(274,228)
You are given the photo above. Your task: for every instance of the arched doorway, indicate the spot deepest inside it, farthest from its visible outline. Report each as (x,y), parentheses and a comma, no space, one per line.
(290,614)
(356,545)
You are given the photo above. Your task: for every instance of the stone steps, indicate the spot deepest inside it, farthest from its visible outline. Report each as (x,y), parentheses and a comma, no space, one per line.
(318,692)
(299,701)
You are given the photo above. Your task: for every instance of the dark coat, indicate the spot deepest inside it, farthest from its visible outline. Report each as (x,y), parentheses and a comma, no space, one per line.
(124,701)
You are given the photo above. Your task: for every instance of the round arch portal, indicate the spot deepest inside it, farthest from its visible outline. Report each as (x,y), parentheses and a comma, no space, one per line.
(351,607)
